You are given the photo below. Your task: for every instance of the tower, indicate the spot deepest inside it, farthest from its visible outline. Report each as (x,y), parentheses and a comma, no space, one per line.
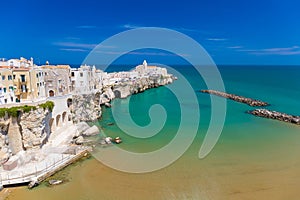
(145,65)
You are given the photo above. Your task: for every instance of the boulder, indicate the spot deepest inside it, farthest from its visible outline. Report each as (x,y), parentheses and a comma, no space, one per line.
(79,140)
(91,131)
(82,127)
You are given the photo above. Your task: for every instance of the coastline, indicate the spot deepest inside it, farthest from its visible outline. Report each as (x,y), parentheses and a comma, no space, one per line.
(254,159)
(64,145)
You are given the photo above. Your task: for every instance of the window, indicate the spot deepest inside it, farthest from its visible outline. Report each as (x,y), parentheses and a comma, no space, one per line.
(23,87)
(4,89)
(11,88)
(37,75)
(22,78)
(11,99)
(81,74)
(9,77)
(14,77)
(37,84)
(5,100)
(3,78)
(72,74)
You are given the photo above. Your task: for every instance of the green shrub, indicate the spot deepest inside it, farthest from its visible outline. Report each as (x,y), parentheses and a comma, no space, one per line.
(48,105)
(27,109)
(13,111)
(2,112)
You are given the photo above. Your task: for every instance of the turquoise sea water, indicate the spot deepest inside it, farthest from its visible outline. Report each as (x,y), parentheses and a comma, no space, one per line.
(255,158)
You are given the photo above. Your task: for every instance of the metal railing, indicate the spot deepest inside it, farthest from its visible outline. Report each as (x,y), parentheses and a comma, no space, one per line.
(37,170)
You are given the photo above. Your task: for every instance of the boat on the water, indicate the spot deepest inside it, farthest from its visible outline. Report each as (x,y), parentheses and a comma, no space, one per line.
(117,140)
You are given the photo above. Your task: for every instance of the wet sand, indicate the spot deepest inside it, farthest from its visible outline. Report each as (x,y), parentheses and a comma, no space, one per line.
(252,170)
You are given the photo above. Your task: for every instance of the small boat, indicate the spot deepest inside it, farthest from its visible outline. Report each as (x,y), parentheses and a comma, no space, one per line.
(55,182)
(108,140)
(117,140)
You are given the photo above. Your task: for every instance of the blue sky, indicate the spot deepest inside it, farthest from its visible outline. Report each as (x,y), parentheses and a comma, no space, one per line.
(233,32)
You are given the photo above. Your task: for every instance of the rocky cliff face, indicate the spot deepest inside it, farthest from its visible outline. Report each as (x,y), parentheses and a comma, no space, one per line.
(126,89)
(87,107)
(5,152)
(106,95)
(35,128)
(30,130)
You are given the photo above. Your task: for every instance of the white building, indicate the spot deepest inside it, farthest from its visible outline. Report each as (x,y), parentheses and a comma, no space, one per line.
(146,70)
(102,77)
(7,94)
(40,81)
(18,63)
(84,79)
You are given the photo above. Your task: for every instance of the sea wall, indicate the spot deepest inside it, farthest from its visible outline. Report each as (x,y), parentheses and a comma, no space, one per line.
(276,116)
(241,99)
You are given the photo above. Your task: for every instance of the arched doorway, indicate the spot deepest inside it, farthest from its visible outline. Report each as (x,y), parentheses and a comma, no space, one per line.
(52,125)
(64,117)
(58,121)
(51,93)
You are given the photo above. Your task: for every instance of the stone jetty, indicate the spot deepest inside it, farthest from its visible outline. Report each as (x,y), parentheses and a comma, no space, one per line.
(276,115)
(241,99)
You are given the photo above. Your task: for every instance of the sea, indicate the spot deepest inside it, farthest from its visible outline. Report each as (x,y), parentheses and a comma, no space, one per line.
(254,158)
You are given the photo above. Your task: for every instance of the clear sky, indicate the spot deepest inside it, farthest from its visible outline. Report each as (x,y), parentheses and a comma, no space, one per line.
(232,31)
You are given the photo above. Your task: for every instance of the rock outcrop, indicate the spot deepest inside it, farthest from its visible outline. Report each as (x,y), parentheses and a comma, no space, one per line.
(82,127)
(276,115)
(91,131)
(35,128)
(125,89)
(107,95)
(86,107)
(84,130)
(249,101)
(29,130)
(14,136)
(5,151)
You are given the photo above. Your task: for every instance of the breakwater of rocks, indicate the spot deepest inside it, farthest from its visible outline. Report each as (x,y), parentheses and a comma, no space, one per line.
(276,116)
(241,99)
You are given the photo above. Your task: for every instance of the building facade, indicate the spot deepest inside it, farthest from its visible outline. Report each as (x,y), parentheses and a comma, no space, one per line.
(57,80)
(7,94)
